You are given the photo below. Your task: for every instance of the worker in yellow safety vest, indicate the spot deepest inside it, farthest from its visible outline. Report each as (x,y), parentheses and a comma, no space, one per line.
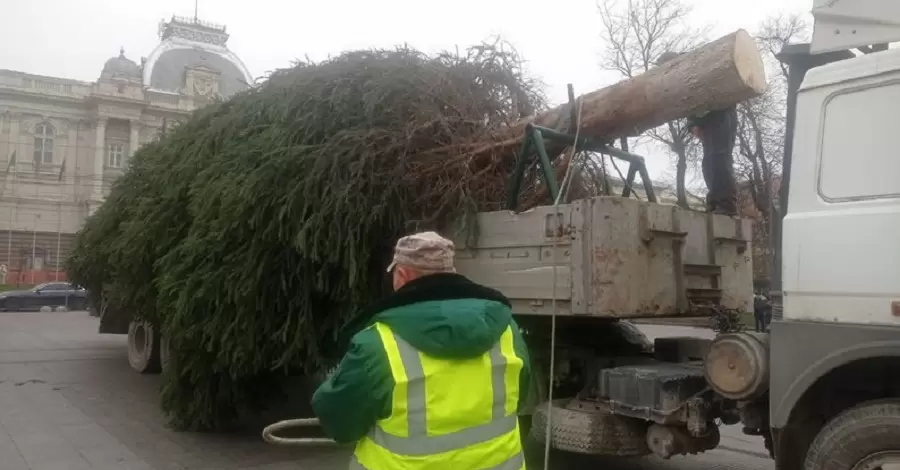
(436,377)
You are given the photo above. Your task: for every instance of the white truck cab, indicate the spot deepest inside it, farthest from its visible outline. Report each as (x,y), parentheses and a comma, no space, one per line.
(834,391)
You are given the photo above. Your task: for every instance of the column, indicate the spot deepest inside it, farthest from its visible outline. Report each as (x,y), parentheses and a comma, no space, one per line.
(99,159)
(14,138)
(12,221)
(68,185)
(4,135)
(70,151)
(135,139)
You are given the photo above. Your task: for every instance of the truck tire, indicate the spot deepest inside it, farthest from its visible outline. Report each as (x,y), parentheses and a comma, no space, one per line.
(859,438)
(631,333)
(592,432)
(143,347)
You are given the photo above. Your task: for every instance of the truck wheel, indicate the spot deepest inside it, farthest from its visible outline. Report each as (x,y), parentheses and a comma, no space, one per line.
(865,437)
(143,347)
(591,430)
(631,333)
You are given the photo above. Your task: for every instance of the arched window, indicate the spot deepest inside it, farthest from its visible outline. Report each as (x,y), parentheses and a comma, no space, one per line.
(43,144)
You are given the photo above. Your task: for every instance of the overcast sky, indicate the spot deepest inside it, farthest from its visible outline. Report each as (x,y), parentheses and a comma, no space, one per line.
(559,39)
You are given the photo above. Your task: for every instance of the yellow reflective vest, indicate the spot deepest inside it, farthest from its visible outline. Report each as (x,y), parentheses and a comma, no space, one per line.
(454,414)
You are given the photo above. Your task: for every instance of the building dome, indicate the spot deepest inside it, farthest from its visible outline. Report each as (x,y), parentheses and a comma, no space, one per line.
(121,67)
(189,44)
(167,71)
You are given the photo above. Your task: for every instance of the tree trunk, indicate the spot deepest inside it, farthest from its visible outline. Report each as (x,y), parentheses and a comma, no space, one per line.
(680,151)
(680,186)
(714,76)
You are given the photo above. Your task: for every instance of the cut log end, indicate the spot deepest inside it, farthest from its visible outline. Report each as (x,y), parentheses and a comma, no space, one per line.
(748,62)
(713,76)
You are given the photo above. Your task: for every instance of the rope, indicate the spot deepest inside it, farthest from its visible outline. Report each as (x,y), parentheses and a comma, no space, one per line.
(563,190)
(269,436)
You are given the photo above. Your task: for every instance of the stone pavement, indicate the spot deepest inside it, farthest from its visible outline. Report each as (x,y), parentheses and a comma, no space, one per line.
(69,401)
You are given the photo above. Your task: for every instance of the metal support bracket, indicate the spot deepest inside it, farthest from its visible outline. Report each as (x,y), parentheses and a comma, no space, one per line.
(536,141)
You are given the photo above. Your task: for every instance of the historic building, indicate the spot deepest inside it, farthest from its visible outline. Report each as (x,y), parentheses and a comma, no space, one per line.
(63,142)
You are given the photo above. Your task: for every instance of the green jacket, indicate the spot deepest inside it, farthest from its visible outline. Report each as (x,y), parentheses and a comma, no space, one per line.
(443,315)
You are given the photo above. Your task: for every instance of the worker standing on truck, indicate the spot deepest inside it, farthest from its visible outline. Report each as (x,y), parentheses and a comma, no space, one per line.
(436,378)
(717,131)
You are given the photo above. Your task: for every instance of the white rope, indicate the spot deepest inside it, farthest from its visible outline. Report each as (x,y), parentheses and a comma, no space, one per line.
(269,436)
(563,189)
(567,178)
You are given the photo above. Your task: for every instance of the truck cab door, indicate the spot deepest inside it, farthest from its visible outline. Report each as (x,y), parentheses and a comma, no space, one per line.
(841,259)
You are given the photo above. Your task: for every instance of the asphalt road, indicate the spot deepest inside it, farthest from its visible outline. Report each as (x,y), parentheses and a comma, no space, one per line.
(69,401)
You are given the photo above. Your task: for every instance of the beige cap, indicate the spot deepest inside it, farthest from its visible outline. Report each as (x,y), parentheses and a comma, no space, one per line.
(426,251)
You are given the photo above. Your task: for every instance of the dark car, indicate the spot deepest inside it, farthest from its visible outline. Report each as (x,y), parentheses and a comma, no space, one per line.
(50,294)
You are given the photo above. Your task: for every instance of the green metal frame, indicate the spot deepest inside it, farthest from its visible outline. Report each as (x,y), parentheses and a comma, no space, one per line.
(535,142)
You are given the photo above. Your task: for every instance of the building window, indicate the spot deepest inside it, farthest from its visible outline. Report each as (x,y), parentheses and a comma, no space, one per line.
(115,155)
(37,261)
(43,144)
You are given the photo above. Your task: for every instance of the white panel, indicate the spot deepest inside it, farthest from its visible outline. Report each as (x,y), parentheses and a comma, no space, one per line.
(841,255)
(859,157)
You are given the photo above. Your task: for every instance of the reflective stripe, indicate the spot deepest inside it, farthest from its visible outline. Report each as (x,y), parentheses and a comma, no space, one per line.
(415,388)
(498,381)
(419,442)
(355,465)
(427,445)
(516,462)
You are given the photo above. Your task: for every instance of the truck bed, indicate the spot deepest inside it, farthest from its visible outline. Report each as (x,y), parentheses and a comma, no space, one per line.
(613,257)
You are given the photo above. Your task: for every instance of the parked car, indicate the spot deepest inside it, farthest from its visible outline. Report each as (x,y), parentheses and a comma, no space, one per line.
(50,294)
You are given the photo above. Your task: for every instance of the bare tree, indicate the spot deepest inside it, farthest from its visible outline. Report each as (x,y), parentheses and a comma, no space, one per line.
(760,139)
(778,31)
(637,33)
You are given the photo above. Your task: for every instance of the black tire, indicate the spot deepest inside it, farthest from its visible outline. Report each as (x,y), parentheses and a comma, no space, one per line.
(143,347)
(856,434)
(594,432)
(634,335)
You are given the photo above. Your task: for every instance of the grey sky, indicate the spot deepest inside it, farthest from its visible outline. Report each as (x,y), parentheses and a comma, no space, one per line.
(66,38)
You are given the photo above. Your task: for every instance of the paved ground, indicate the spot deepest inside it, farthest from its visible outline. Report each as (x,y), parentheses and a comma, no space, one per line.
(68,401)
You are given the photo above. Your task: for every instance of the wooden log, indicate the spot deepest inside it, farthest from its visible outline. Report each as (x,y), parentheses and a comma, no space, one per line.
(713,76)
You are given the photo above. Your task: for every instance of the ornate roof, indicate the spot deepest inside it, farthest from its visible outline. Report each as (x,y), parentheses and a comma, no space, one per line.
(121,67)
(191,43)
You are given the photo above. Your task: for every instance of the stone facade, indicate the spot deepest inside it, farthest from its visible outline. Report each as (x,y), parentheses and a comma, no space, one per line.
(64,142)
